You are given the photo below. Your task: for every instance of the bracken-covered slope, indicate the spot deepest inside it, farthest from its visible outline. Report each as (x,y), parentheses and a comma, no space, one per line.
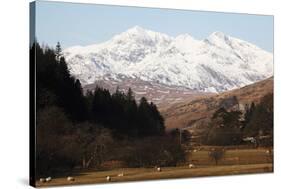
(159,94)
(215,64)
(196,113)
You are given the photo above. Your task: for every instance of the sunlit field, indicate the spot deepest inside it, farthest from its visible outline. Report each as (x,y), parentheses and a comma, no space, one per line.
(235,161)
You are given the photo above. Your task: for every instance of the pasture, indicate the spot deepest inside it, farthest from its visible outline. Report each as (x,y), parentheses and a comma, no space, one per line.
(235,161)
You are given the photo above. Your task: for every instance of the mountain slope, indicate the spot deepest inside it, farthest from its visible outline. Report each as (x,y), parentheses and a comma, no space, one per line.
(215,64)
(159,94)
(196,113)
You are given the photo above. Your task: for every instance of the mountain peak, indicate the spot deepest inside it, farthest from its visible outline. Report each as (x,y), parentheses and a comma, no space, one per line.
(136,29)
(218,38)
(144,36)
(217,63)
(218,34)
(184,36)
(185,39)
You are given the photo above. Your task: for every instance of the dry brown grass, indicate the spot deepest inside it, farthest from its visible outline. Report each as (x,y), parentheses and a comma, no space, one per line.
(199,110)
(250,161)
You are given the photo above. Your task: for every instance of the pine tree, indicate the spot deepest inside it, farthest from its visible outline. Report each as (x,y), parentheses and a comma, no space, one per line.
(58,51)
(248,114)
(130,96)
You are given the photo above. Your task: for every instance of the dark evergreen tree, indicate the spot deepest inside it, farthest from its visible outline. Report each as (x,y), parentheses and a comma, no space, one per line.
(55,85)
(101,106)
(224,128)
(131,111)
(261,118)
(121,113)
(58,51)
(248,114)
(158,120)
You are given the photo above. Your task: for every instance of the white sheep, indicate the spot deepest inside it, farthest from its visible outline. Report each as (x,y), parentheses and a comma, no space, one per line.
(42,180)
(120,174)
(267,151)
(70,179)
(48,179)
(159,169)
(194,150)
(108,178)
(191,165)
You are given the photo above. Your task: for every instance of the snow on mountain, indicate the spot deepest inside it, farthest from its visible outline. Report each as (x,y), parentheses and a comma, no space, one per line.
(214,64)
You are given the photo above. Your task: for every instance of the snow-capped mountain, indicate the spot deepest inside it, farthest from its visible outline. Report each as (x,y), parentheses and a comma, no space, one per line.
(214,64)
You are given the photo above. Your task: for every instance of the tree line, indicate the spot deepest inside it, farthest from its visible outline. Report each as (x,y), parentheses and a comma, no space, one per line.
(230,127)
(121,113)
(117,111)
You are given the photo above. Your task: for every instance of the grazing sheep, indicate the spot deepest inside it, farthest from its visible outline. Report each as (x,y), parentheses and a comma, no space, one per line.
(191,165)
(108,178)
(267,151)
(48,179)
(159,169)
(42,180)
(70,179)
(194,150)
(120,174)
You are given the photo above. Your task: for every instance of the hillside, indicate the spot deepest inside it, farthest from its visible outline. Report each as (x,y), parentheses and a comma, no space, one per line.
(159,94)
(196,113)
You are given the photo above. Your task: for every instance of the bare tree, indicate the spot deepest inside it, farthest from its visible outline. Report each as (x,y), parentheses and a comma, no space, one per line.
(216,154)
(93,143)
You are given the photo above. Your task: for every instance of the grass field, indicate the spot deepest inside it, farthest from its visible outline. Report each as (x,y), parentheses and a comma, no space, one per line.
(233,157)
(240,161)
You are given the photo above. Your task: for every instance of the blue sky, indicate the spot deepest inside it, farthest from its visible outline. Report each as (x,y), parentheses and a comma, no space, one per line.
(85,24)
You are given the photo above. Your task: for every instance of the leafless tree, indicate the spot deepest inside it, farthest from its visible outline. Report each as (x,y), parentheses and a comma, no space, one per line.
(216,154)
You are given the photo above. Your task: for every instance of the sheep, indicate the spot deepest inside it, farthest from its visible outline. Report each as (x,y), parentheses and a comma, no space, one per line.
(48,179)
(108,178)
(159,169)
(120,174)
(267,151)
(194,150)
(70,179)
(42,180)
(191,165)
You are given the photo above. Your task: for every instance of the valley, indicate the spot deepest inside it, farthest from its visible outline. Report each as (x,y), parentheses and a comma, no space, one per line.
(117,102)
